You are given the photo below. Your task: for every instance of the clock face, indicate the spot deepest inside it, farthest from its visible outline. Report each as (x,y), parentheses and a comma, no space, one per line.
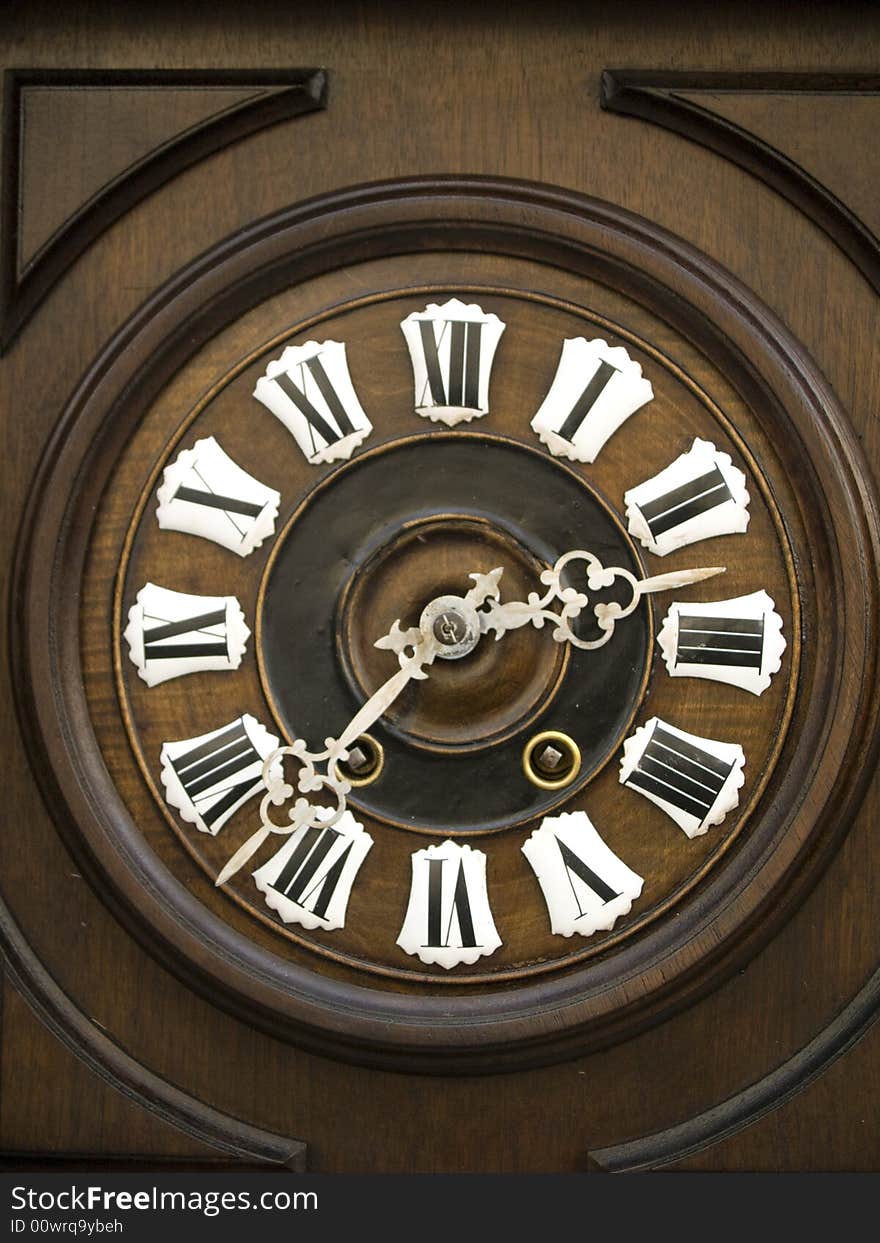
(528,804)
(455,605)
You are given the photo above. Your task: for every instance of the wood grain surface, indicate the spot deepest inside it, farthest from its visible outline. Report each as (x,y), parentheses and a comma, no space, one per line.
(512,94)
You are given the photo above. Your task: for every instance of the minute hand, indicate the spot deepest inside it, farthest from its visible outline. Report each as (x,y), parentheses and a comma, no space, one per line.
(305,813)
(378,704)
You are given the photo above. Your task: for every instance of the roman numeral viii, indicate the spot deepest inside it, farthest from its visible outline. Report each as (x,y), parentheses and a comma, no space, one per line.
(207,778)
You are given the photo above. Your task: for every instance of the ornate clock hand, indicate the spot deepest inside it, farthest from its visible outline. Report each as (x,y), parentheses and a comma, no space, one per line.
(451,622)
(511,615)
(450,627)
(278,791)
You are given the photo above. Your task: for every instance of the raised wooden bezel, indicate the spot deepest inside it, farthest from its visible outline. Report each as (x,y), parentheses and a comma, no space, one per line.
(833,532)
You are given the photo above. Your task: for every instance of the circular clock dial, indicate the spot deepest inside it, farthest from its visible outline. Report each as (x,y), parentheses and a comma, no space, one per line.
(423,539)
(451,680)
(371,539)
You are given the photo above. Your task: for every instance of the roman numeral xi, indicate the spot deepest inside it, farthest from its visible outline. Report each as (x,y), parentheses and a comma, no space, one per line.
(309,389)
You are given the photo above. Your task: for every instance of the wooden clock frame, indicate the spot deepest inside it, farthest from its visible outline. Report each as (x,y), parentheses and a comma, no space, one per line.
(827,756)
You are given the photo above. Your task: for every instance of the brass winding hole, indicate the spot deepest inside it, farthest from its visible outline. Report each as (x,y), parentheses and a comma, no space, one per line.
(366,759)
(551,760)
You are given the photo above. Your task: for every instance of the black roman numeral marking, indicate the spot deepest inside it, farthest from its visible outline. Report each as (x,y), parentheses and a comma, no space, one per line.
(316,421)
(207,772)
(720,641)
(686,502)
(156,647)
(461,906)
(228,505)
(680,773)
(297,876)
(573,863)
(462,386)
(588,398)
(215,500)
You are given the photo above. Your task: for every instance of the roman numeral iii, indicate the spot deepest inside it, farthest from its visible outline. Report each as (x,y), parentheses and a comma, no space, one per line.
(448,920)
(170,634)
(452,348)
(735,641)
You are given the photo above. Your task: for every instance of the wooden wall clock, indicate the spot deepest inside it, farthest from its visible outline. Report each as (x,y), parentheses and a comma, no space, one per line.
(573,826)
(441,724)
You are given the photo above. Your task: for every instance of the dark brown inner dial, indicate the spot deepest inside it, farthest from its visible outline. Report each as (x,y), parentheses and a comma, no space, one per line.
(483,697)
(349,562)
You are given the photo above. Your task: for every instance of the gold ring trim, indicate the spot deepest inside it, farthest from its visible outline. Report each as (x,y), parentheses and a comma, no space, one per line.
(374,774)
(551,735)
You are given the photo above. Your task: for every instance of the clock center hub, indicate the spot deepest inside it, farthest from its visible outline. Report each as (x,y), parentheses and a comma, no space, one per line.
(463,704)
(454,624)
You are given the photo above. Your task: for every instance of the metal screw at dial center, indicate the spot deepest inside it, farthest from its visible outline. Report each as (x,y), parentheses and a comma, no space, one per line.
(449,628)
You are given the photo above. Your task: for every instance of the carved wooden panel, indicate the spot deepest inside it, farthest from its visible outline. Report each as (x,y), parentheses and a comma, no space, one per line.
(792,130)
(123,134)
(761,165)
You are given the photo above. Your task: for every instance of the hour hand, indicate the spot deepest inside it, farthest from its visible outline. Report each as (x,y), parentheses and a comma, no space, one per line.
(450,626)
(510,615)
